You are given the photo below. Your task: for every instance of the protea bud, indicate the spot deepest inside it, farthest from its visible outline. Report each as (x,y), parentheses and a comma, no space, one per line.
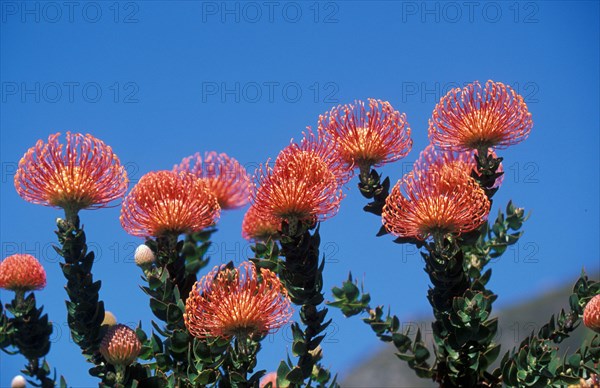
(18,382)
(109,319)
(22,273)
(591,314)
(144,256)
(120,345)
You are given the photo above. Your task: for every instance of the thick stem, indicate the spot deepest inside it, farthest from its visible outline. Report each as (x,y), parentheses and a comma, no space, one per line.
(444,265)
(85,310)
(302,276)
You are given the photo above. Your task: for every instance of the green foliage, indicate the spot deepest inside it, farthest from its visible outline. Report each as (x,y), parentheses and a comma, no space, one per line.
(302,275)
(371,187)
(353,301)
(85,312)
(349,299)
(29,332)
(536,363)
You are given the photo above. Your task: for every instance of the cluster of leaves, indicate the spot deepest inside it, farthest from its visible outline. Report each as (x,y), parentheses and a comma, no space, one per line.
(28,330)
(536,362)
(410,348)
(371,187)
(302,274)
(85,312)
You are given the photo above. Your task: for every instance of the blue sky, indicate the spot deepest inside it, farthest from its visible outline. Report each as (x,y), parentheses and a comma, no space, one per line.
(160,81)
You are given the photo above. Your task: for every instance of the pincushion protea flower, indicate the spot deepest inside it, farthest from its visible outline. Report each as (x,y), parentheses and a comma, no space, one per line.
(368,138)
(83,174)
(437,202)
(120,345)
(324,146)
(591,314)
(168,202)
(477,117)
(225,177)
(257,226)
(22,272)
(299,187)
(234,302)
(431,159)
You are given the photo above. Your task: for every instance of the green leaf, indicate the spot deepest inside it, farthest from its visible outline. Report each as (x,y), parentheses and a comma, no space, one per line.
(299,348)
(401,342)
(351,291)
(405,357)
(295,376)
(174,313)
(575,361)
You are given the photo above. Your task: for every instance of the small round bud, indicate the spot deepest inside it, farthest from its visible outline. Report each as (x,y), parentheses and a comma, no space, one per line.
(120,345)
(109,319)
(144,256)
(22,273)
(18,382)
(591,314)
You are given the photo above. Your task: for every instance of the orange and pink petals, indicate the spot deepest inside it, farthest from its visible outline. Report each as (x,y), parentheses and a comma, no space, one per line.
(591,314)
(22,272)
(84,173)
(234,302)
(435,203)
(269,378)
(480,117)
(431,159)
(368,138)
(299,187)
(168,202)
(225,177)
(120,345)
(325,147)
(261,227)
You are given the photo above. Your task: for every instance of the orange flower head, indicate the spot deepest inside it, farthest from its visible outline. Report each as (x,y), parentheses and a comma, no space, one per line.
(269,378)
(22,272)
(168,202)
(120,345)
(431,158)
(477,117)
(300,186)
(234,302)
(83,174)
(368,138)
(591,314)
(225,177)
(437,202)
(257,226)
(325,147)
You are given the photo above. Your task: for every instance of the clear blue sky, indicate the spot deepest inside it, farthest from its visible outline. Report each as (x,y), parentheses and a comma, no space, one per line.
(161,81)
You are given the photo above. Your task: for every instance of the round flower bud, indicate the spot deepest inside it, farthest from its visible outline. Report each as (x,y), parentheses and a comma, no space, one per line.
(18,382)
(109,319)
(144,256)
(120,345)
(22,273)
(591,314)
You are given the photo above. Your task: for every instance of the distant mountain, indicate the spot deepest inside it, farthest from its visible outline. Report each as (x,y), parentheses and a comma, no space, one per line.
(385,370)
